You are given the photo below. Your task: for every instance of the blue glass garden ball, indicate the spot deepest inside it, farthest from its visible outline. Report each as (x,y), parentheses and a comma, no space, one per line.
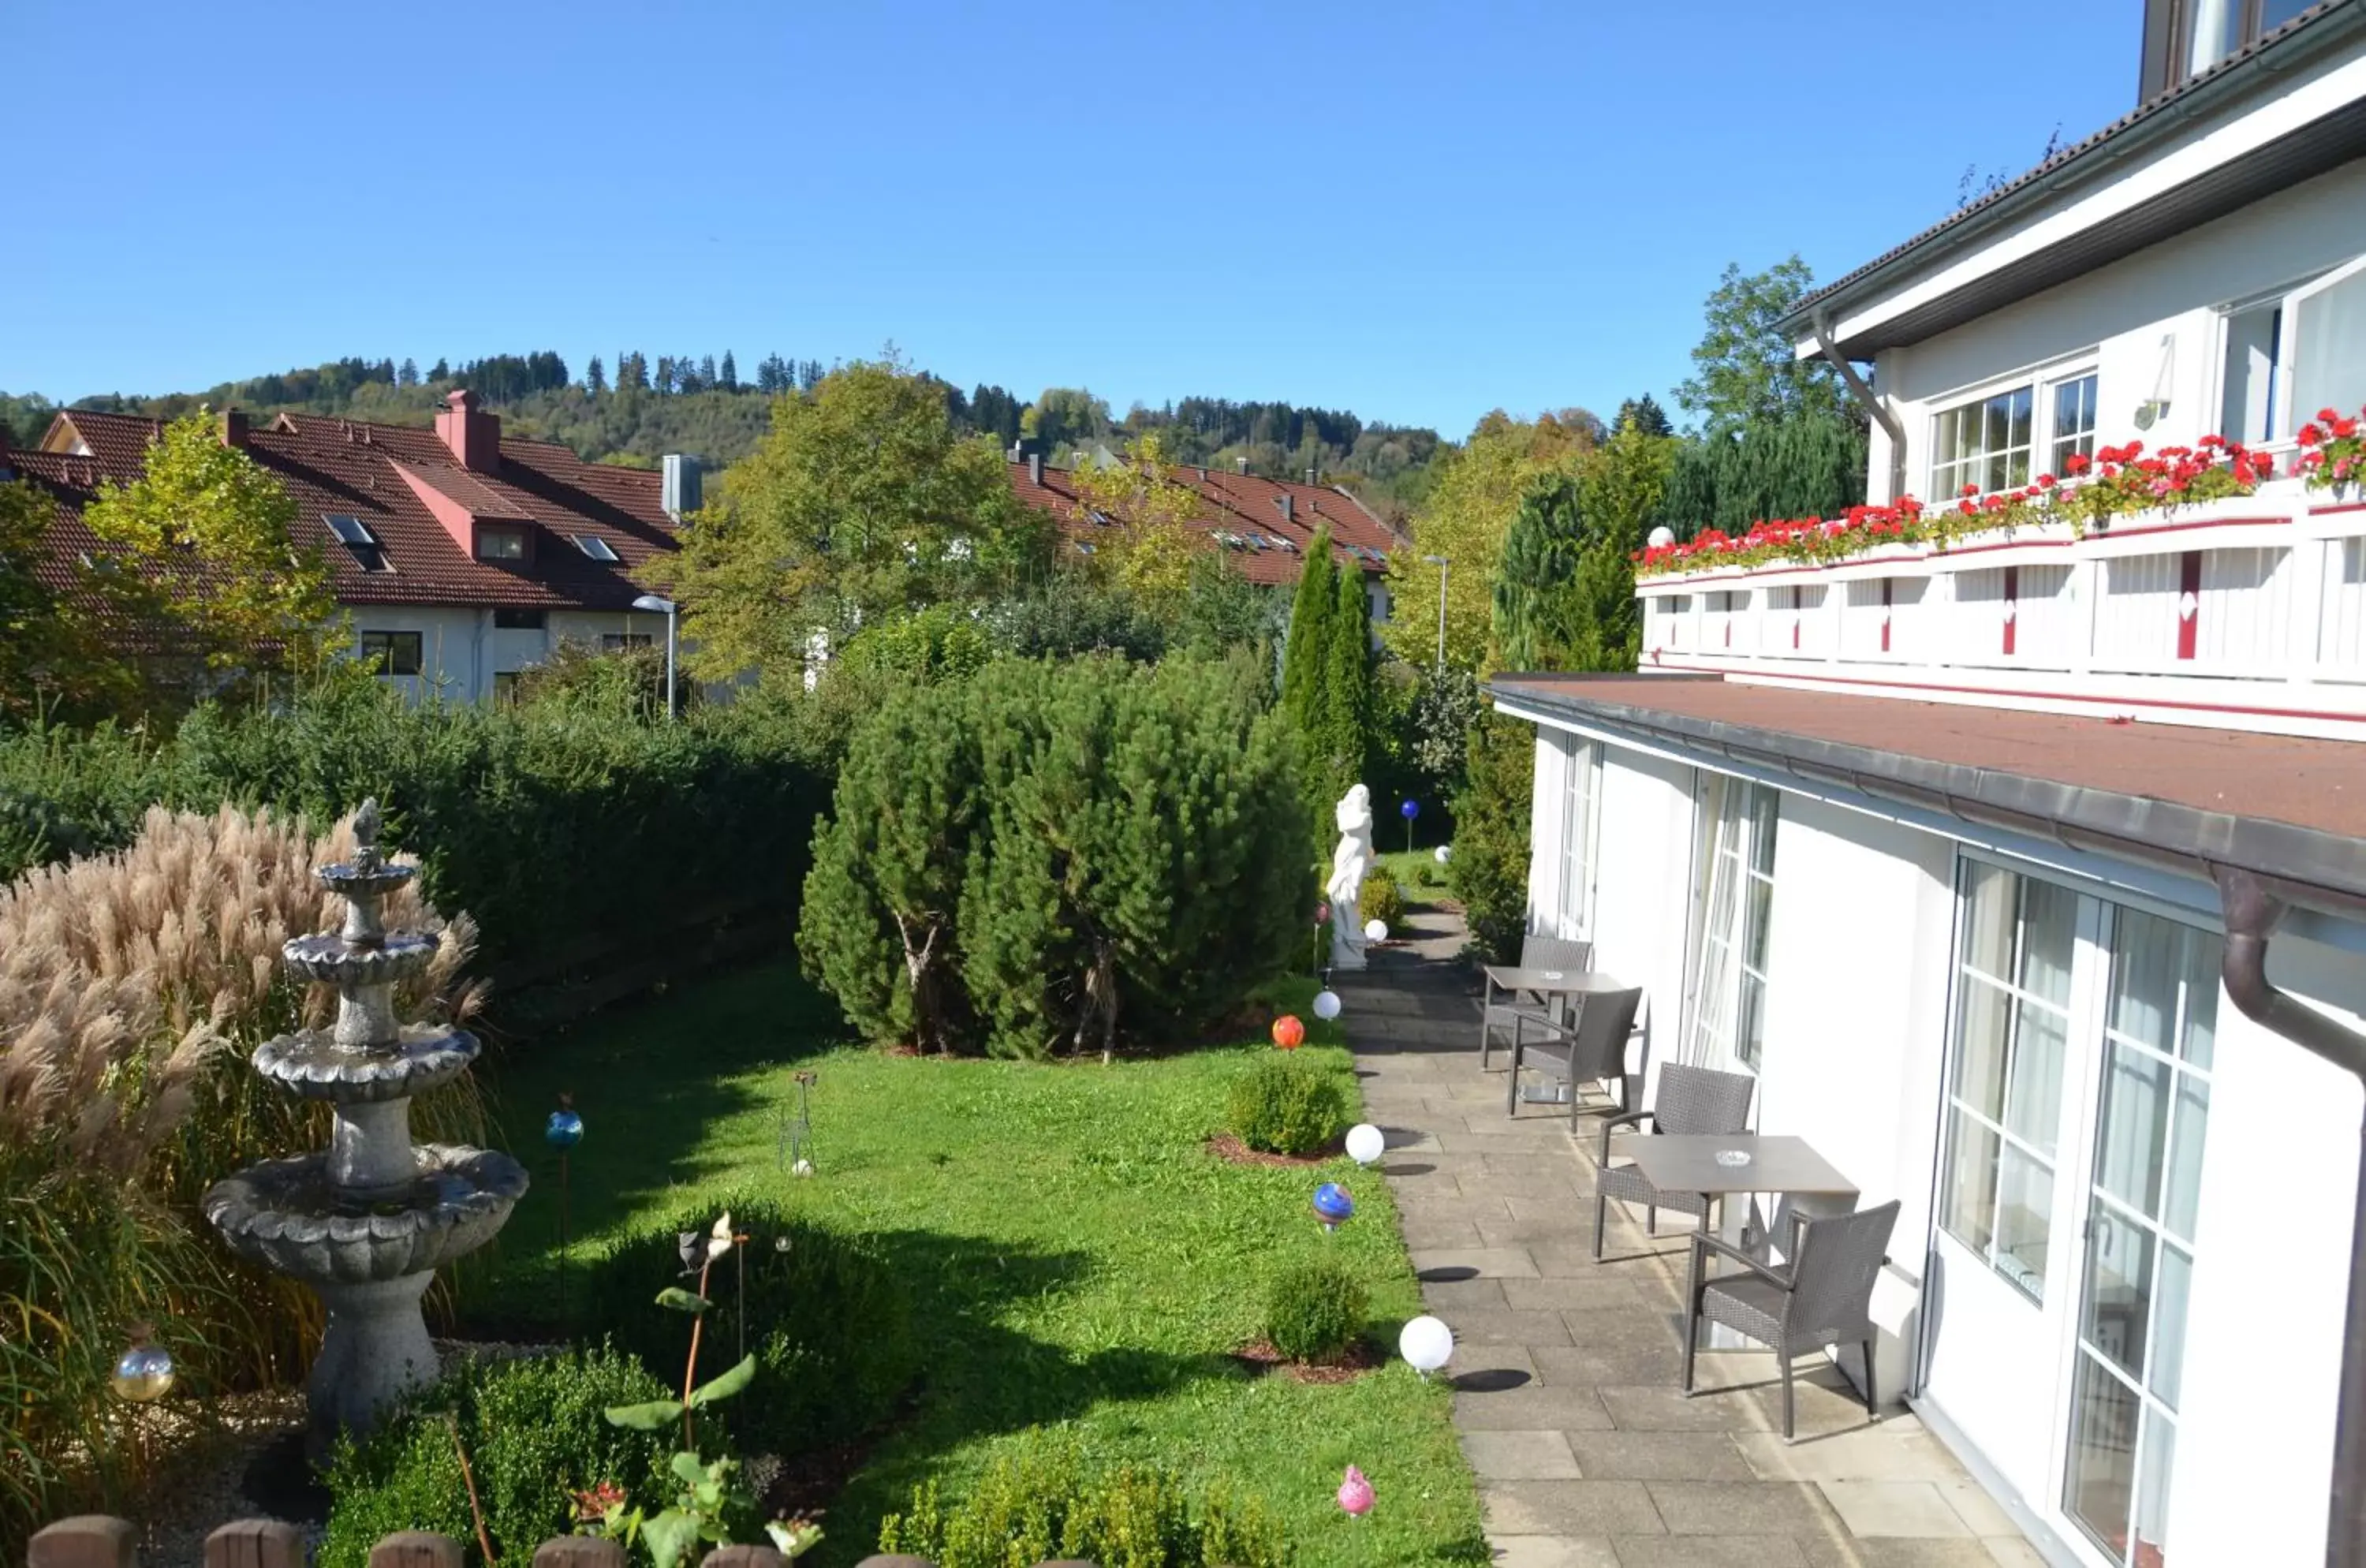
(143,1374)
(1410,809)
(565,1131)
(1332,1204)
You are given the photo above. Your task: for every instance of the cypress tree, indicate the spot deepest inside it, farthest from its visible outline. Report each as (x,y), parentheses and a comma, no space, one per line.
(1533,580)
(1347,687)
(1310,619)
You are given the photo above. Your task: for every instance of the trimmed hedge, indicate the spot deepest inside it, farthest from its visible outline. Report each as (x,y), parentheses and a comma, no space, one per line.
(1286,1105)
(829,1321)
(1314,1310)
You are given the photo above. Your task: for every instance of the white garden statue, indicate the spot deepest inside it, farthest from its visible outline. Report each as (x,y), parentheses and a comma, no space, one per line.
(1348,864)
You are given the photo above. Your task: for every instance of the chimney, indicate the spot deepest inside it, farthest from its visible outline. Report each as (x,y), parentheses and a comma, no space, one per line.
(1289,508)
(1034,468)
(1241,463)
(233,428)
(474,438)
(1309,476)
(683,488)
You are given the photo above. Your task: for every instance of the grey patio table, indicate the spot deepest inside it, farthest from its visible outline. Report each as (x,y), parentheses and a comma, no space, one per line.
(1538,982)
(1777,1164)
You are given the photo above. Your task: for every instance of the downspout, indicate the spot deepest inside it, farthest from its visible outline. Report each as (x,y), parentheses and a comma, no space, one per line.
(2250,913)
(1879,410)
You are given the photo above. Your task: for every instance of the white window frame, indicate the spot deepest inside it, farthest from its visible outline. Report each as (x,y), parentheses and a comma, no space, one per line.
(1581,812)
(2284,417)
(2081,441)
(1721,980)
(2044,384)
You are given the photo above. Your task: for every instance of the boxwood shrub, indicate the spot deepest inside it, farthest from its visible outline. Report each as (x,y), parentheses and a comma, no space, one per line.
(1286,1105)
(1315,1310)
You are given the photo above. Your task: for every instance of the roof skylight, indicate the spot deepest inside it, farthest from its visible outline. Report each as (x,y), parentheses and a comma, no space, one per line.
(595,547)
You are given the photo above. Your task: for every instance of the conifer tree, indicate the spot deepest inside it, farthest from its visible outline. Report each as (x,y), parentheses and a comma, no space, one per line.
(1533,580)
(1310,619)
(728,377)
(595,378)
(1344,721)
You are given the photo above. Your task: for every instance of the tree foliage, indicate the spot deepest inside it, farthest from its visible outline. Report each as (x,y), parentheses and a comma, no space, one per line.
(1535,578)
(1148,546)
(1489,871)
(1744,366)
(862,502)
(1813,466)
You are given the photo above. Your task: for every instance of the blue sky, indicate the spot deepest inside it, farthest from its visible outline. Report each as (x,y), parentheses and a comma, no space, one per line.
(1417,211)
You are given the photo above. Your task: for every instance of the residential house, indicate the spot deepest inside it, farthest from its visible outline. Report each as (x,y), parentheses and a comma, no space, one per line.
(462,557)
(2028,874)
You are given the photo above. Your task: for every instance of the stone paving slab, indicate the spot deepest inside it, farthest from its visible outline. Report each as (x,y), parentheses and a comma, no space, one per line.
(1566,1371)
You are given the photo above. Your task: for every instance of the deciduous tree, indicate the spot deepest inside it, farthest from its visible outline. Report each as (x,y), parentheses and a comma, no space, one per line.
(1149,550)
(1745,369)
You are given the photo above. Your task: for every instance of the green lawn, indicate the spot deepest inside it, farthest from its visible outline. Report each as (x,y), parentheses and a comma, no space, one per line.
(1075,1257)
(1410,869)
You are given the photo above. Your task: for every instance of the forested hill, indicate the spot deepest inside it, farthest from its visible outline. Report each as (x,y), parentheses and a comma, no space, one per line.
(638,409)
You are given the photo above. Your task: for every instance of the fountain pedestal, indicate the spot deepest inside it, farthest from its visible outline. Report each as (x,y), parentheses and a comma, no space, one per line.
(365,1222)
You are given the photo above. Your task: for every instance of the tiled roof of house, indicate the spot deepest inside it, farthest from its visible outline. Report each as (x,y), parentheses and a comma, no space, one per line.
(345,467)
(2171,99)
(1240,514)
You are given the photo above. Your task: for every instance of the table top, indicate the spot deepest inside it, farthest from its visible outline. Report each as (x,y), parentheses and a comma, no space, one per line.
(1777,1164)
(1507,977)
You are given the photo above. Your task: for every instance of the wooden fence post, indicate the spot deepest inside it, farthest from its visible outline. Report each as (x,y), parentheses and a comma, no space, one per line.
(87,1541)
(256,1543)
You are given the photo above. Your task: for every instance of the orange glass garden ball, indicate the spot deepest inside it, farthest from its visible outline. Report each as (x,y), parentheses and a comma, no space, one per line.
(1288,1033)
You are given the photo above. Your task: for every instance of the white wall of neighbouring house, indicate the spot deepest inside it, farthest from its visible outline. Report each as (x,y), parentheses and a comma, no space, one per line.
(462,651)
(2149,324)
(2270,1281)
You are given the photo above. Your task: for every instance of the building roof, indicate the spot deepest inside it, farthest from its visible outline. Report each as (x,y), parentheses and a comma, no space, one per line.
(349,469)
(2292,810)
(2262,63)
(1241,514)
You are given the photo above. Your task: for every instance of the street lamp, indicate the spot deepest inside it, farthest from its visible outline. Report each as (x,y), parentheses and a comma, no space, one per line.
(1440,563)
(655,606)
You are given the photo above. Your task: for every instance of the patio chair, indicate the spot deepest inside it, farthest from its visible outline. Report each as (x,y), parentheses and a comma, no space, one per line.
(1823,1296)
(1592,1049)
(1691,1100)
(1535,953)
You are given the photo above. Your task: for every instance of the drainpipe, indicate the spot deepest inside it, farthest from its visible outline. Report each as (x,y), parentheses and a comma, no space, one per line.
(1879,410)
(2250,913)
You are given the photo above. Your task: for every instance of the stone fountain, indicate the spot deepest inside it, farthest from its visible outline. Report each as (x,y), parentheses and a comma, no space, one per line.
(367,1222)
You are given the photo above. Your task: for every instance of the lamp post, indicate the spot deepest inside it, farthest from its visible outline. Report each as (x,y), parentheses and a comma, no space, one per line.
(1440,563)
(656,605)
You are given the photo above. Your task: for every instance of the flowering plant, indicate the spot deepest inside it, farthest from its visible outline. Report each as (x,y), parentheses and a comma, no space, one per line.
(2333,449)
(2091,492)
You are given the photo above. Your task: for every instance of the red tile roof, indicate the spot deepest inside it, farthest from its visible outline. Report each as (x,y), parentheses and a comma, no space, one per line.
(1240,514)
(333,467)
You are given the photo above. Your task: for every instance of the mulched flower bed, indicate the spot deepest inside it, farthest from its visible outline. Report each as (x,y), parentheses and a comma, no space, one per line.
(1260,1358)
(1225,1147)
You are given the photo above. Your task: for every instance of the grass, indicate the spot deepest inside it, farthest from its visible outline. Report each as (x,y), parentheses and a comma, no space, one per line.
(1419,876)
(1077,1260)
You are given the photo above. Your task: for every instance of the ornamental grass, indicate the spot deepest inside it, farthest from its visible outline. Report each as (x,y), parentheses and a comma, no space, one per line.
(132,987)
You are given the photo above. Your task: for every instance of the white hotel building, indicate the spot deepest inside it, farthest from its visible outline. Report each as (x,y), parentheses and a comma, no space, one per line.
(2029,876)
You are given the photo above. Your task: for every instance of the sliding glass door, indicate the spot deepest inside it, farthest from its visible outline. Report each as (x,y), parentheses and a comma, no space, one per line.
(1728,993)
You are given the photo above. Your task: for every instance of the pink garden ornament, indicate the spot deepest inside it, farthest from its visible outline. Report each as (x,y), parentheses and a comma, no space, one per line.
(1356,1494)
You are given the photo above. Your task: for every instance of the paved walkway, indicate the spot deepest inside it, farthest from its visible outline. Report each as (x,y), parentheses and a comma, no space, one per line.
(1567,1371)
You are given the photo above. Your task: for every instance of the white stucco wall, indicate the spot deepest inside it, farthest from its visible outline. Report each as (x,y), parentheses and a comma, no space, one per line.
(461,651)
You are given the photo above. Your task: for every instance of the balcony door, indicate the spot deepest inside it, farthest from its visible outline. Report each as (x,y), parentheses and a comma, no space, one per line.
(1734,901)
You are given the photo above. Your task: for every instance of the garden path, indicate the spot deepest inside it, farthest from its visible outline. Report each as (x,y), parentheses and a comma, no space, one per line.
(1567,1371)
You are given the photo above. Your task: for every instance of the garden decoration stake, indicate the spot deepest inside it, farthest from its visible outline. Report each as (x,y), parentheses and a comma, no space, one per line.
(142,1375)
(795,1147)
(563,1133)
(1321,913)
(468,1478)
(1409,810)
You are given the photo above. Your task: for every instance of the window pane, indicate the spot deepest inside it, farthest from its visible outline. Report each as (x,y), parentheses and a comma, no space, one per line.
(2132,1145)
(2117,1312)
(1765,812)
(1967,1210)
(2049,934)
(2185,1140)
(2169,1324)
(1762,914)
(1983,1027)
(2024,1220)
(2033,1111)
(2019,408)
(1988,919)
(2152,1496)
(1747,1037)
(2103,1469)
(2329,349)
(2148,965)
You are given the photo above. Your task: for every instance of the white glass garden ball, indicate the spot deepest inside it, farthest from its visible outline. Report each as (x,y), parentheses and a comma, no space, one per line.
(1326,1005)
(1376,930)
(1366,1143)
(1427,1344)
(1662,536)
(1443,854)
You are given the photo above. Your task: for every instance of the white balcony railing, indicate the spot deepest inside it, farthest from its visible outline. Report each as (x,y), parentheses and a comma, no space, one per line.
(2247,612)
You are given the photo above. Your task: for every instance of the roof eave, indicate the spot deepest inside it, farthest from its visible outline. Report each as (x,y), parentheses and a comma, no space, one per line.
(2302,865)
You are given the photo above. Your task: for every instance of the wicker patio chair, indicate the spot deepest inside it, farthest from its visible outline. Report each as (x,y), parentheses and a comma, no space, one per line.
(1690,1100)
(1592,1049)
(1823,1296)
(1535,953)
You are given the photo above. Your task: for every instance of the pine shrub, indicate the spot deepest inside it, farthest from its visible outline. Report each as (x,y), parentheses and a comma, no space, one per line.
(535,1432)
(829,1320)
(1286,1105)
(1314,1310)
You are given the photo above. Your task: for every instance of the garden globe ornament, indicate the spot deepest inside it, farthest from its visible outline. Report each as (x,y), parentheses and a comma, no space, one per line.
(1366,1143)
(564,1129)
(1288,1032)
(1409,810)
(143,1373)
(1326,1004)
(1443,854)
(1333,1207)
(1350,860)
(1662,536)
(1376,930)
(1426,1344)
(1356,1494)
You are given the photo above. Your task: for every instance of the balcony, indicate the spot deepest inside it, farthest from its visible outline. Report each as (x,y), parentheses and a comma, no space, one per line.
(2245,612)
